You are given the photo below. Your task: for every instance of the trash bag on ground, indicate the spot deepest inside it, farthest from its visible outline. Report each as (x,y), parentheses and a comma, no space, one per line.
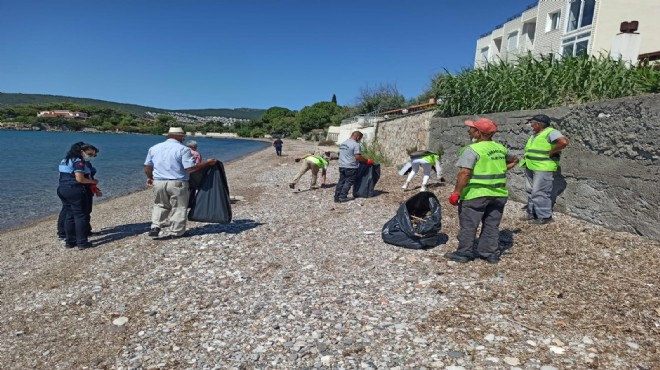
(365,180)
(417,223)
(211,202)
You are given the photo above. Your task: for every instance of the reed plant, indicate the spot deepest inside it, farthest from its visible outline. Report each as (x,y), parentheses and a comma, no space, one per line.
(373,150)
(541,82)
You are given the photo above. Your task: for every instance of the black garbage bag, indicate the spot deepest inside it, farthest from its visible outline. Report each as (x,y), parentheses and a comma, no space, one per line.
(211,202)
(416,224)
(365,180)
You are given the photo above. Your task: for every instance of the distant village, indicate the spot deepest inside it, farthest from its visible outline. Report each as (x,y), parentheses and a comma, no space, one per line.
(180,117)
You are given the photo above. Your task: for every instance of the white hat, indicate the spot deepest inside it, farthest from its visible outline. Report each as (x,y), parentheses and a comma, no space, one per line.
(176,130)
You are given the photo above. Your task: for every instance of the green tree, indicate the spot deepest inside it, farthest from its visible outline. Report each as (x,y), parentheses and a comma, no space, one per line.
(319,115)
(383,97)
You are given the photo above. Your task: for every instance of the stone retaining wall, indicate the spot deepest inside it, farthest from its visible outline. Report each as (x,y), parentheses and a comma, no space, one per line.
(396,135)
(611,166)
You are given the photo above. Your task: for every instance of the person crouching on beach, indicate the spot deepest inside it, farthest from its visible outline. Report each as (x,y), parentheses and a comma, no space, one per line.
(425,159)
(168,167)
(314,163)
(349,158)
(73,192)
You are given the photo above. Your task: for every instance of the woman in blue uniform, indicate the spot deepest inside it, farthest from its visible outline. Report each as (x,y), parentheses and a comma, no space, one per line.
(73,192)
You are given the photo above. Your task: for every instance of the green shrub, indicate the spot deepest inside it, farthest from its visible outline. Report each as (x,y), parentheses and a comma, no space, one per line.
(542,82)
(374,151)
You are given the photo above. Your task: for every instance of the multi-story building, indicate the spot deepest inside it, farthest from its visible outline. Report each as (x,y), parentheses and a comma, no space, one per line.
(576,27)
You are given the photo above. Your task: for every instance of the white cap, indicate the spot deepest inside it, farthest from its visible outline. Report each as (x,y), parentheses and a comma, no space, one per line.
(176,130)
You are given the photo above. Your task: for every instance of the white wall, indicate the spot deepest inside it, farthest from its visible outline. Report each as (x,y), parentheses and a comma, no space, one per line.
(612,12)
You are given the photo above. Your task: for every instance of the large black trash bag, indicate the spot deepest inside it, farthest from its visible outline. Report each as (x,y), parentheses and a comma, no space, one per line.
(211,203)
(425,232)
(365,180)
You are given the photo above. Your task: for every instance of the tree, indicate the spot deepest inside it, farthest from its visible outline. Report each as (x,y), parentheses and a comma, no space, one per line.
(383,97)
(319,115)
(334,98)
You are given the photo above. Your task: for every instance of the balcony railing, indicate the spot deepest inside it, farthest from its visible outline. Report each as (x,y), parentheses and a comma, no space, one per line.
(528,7)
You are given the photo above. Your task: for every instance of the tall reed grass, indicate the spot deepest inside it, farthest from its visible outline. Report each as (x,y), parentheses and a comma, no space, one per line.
(540,82)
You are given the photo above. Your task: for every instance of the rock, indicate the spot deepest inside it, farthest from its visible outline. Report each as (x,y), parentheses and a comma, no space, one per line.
(327,360)
(490,337)
(455,354)
(548,367)
(453,367)
(512,361)
(120,321)
(633,345)
(557,350)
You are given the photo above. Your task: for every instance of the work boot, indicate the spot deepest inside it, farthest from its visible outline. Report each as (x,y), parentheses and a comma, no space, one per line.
(405,185)
(542,221)
(154,232)
(527,217)
(453,256)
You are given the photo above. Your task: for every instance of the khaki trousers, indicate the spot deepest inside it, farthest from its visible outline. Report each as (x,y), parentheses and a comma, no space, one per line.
(170,202)
(306,166)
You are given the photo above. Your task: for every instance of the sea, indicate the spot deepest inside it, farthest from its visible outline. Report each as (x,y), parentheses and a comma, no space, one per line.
(29,161)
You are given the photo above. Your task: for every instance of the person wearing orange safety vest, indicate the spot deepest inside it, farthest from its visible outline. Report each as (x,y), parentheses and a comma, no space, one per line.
(313,163)
(541,165)
(480,193)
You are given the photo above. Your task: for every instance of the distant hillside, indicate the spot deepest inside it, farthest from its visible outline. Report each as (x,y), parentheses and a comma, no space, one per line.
(11,99)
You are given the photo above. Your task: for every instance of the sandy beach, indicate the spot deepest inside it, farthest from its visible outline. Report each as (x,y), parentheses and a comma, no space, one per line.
(298,281)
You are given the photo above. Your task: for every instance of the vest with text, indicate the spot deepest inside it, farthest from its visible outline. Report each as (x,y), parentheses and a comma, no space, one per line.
(489,173)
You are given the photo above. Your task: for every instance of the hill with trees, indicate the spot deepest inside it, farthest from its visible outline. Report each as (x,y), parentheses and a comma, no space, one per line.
(12,100)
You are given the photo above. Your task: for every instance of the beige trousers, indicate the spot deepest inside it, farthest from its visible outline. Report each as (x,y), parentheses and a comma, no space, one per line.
(170,202)
(306,166)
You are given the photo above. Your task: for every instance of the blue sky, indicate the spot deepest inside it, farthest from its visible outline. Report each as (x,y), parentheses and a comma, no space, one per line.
(190,54)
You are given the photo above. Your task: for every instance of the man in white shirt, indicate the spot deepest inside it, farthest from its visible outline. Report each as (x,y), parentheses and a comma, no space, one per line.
(168,166)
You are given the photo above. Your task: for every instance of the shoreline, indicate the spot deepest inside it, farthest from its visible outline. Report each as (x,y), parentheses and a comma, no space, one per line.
(298,281)
(107,199)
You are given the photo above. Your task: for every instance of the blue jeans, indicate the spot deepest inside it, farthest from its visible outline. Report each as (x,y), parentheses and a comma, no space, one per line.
(346,181)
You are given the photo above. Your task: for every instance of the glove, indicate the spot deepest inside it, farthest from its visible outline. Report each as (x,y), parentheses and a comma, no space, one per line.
(453,199)
(370,162)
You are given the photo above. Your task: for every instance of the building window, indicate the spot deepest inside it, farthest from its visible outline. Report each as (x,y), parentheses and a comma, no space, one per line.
(576,45)
(553,21)
(512,41)
(484,54)
(580,14)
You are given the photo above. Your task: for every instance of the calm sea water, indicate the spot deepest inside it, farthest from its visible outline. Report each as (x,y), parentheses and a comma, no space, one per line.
(29,161)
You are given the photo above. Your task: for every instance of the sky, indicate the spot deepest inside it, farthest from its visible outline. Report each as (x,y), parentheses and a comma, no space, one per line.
(195,54)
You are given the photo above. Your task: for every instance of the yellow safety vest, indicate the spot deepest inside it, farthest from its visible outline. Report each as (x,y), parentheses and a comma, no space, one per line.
(489,173)
(536,153)
(319,161)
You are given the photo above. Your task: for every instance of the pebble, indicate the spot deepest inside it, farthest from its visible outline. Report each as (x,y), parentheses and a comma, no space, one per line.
(286,285)
(512,361)
(120,321)
(633,345)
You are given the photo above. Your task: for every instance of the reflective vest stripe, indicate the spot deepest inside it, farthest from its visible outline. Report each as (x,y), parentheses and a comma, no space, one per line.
(488,177)
(492,186)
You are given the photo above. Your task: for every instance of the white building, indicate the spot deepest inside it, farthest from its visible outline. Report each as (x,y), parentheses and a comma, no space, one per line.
(575,27)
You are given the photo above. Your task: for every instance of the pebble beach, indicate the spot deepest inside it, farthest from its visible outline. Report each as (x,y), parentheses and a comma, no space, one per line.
(297,281)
